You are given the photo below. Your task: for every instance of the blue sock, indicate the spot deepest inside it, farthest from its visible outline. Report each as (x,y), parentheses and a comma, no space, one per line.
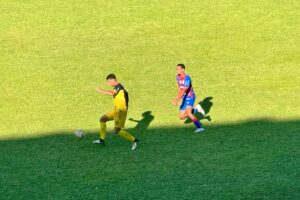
(197,124)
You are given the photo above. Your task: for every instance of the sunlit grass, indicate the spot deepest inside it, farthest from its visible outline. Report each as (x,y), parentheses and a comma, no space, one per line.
(244,54)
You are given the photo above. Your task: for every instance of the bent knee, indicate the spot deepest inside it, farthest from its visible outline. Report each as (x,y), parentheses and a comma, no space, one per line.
(182,117)
(190,115)
(117,130)
(104,118)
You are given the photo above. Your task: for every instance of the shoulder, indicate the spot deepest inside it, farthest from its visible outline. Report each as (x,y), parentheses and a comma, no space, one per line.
(119,87)
(187,78)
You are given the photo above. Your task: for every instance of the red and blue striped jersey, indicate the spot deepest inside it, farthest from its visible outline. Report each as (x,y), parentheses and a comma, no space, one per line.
(186,82)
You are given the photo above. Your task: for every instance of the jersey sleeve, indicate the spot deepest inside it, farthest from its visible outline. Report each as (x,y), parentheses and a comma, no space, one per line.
(187,81)
(177,80)
(118,88)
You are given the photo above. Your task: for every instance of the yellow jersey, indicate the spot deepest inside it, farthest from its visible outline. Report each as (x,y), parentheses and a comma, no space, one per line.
(121,98)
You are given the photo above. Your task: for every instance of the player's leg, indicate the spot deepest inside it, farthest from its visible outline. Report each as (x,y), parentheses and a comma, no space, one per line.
(107,117)
(120,119)
(199,109)
(124,134)
(189,107)
(182,110)
(182,114)
(103,121)
(194,119)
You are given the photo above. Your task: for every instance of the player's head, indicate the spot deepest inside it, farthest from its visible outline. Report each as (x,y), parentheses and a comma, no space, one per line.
(111,79)
(180,68)
(146,114)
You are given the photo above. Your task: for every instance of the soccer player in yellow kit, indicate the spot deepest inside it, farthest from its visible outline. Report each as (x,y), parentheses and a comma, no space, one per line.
(118,114)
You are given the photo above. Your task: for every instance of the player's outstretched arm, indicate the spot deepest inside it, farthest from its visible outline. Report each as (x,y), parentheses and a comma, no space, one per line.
(181,92)
(107,92)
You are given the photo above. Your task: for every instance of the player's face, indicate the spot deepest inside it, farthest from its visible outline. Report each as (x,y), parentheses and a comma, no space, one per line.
(179,70)
(110,82)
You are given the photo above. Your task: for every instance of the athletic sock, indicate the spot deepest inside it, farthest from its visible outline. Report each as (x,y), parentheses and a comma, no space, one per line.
(102,130)
(197,123)
(126,136)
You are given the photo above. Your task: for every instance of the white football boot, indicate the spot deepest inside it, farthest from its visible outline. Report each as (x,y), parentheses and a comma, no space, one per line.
(200,109)
(198,130)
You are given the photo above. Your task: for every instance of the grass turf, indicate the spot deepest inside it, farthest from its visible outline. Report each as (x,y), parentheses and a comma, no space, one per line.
(243,54)
(251,160)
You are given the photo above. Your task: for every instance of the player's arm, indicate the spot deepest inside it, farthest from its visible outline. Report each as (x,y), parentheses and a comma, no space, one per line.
(181,92)
(107,92)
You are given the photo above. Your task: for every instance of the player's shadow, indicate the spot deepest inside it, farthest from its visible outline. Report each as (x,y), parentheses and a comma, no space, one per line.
(143,123)
(206,104)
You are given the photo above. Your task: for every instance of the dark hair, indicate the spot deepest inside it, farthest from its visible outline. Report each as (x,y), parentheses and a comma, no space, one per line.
(111,76)
(181,65)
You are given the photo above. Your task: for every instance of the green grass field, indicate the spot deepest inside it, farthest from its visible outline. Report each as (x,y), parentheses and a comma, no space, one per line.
(242,55)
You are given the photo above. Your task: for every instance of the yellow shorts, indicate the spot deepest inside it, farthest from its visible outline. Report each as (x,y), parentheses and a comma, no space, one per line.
(119,116)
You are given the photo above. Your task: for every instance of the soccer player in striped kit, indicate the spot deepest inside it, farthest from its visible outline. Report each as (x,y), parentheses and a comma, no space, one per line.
(186,93)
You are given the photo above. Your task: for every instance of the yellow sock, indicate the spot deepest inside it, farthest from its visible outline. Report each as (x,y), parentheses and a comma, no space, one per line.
(126,136)
(102,130)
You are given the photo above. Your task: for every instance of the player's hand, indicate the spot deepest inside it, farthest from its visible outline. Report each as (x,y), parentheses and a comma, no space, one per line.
(175,102)
(98,89)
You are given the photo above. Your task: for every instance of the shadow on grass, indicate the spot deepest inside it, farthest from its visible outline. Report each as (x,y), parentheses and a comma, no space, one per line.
(251,160)
(206,104)
(143,123)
